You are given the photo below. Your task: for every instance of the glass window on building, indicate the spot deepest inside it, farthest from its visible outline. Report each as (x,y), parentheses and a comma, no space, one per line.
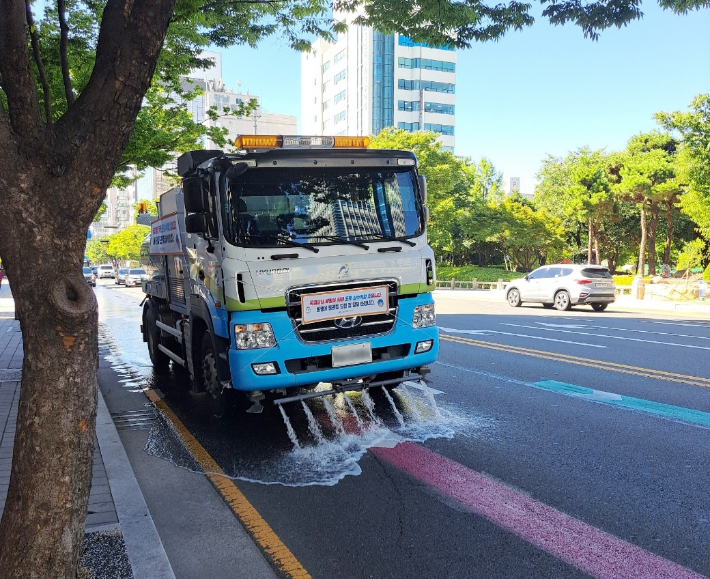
(326,65)
(410,127)
(407,106)
(325,124)
(404,41)
(339,117)
(340,56)
(431,86)
(326,104)
(326,86)
(338,77)
(427,64)
(339,97)
(439,108)
(437,128)
(382,81)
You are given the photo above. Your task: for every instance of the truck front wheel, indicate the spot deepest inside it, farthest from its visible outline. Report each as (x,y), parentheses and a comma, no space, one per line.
(216,393)
(152,332)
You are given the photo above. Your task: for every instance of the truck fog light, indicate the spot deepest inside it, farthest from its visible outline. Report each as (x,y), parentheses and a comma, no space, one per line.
(263,369)
(252,336)
(424,316)
(424,346)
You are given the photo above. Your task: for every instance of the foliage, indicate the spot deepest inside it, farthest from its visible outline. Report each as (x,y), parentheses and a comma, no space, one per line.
(694,158)
(126,245)
(471,272)
(96,250)
(100,212)
(706,273)
(691,255)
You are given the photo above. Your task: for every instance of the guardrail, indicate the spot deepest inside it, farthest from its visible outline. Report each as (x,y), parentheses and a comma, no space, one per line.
(454,284)
(471,285)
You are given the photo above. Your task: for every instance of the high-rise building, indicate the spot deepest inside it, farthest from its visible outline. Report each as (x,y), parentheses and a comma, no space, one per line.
(366,81)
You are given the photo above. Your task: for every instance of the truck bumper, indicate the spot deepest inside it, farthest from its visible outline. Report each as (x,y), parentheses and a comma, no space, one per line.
(303,364)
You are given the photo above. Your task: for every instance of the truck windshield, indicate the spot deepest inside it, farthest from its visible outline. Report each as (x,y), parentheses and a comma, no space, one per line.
(271,207)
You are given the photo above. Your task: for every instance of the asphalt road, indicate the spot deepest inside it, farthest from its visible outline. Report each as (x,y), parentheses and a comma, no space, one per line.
(549,445)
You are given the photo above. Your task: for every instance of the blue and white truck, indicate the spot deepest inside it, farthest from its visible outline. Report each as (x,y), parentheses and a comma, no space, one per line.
(295,262)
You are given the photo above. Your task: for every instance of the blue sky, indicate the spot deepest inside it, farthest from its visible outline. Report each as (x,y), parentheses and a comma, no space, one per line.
(545,90)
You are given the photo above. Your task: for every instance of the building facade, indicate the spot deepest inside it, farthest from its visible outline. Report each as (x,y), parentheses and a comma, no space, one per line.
(367,81)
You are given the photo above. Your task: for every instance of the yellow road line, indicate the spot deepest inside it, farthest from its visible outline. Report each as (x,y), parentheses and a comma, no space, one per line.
(590,363)
(274,549)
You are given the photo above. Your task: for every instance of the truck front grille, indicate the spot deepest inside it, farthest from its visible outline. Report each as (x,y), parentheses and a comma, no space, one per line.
(327,330)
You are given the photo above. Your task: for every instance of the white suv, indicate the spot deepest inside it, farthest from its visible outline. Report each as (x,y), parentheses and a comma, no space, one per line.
(105,271)
(564,286)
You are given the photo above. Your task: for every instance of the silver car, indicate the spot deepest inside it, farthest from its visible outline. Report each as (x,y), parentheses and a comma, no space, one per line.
(135,276)
(89,276)
(563,286)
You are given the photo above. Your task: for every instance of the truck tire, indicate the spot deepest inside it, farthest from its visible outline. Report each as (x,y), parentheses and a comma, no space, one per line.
(216,393)
(152,333)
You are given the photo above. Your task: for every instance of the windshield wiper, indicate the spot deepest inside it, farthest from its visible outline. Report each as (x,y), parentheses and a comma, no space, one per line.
(390,238)
(343,240)
(286,240)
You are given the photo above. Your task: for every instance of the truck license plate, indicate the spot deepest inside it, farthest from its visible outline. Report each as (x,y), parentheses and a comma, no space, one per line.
(351,354)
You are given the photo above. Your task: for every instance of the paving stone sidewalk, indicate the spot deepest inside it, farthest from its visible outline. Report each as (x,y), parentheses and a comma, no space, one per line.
(102,512)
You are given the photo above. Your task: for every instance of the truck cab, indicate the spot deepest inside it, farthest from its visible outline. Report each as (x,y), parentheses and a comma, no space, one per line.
(296,262)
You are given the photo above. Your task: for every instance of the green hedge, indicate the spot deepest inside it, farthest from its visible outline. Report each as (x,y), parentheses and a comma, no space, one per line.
(471,272)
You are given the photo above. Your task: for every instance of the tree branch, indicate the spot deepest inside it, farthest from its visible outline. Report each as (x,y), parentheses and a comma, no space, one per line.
(64,41)
(40,65)
(18,81)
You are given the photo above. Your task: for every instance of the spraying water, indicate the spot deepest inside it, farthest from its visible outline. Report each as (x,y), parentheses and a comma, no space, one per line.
(369,404)
(411,404)
(313,427)
(430,397)
(360,425)
(333,416)
(400,419)
(289,429)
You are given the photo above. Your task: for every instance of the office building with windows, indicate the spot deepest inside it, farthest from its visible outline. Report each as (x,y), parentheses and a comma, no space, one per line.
(367,81)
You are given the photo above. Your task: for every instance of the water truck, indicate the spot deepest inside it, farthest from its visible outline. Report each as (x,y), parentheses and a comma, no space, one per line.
(293,263)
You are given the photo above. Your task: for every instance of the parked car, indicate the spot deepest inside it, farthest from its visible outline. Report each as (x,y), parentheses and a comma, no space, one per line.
(95,269)
(121,275)
(105,270)
(563,286)
(89,276)
(135,276)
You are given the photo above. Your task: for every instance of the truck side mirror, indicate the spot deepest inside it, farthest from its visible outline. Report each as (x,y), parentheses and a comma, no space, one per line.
(426,214)
(422,188)
(196,223)
(193,195)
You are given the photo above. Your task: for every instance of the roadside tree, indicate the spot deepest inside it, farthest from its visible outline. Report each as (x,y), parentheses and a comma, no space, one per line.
(65,125)
(126,245)
(694,158)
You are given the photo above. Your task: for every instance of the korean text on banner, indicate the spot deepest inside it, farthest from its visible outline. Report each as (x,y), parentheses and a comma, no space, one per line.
(165,236)
(344,304)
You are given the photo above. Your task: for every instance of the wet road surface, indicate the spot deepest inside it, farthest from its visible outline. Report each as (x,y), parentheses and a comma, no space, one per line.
(515,463)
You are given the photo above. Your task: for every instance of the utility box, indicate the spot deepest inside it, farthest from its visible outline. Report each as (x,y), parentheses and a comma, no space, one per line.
(638,288)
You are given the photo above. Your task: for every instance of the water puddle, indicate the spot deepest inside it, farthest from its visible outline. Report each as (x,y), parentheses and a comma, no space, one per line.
(314,442)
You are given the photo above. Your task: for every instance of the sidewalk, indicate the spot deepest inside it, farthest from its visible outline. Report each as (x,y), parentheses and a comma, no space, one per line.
(147,518)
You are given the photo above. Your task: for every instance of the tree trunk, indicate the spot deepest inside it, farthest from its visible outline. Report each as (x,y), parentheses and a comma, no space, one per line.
(669,234)
(642,245)
(50,480)
(53,178)
(652,226)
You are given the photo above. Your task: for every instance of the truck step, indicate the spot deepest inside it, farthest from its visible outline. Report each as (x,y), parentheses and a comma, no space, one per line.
(172,355)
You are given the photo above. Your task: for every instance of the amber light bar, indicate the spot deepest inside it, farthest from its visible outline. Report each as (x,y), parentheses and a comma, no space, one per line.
(245,142)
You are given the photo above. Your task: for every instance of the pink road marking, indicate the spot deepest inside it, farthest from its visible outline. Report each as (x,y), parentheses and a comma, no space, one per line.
(587,548)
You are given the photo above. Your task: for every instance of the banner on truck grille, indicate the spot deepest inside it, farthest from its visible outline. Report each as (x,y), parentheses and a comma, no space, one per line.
(165,236)
(344,304)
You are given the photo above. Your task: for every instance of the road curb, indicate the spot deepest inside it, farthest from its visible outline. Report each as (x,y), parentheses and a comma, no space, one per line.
(143,545)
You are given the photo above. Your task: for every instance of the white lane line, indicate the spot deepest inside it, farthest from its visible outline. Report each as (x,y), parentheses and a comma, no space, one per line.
(610,337)
(682,324)
(581,327)
(479,332)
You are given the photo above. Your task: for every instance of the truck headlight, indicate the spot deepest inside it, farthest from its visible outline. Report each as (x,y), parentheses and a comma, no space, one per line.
(253,336)
(424,316)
